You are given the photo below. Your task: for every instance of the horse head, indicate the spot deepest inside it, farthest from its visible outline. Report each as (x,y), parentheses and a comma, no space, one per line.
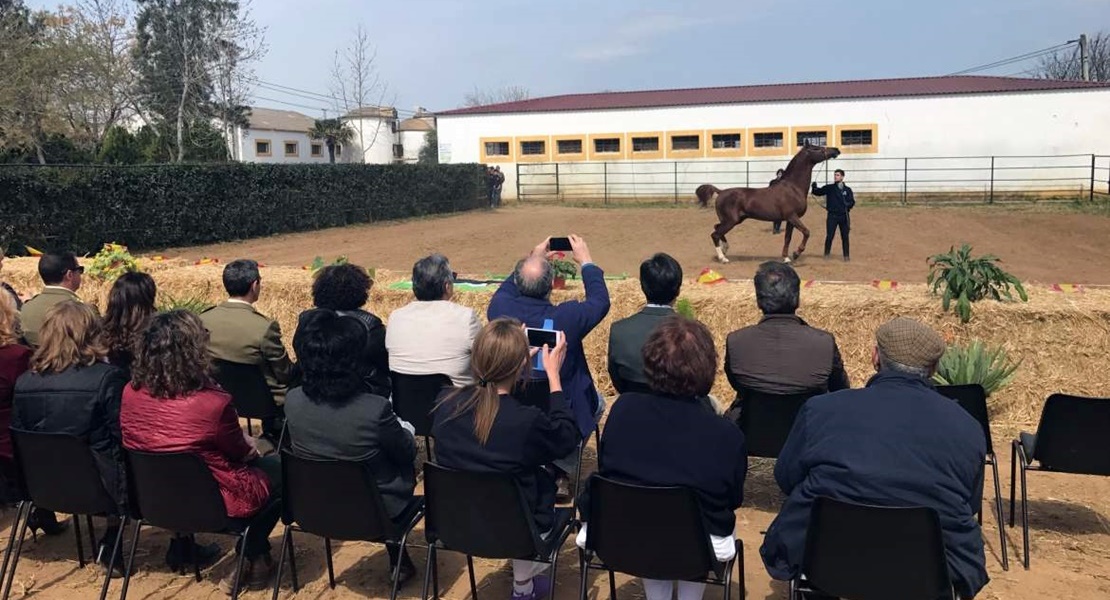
(818,154)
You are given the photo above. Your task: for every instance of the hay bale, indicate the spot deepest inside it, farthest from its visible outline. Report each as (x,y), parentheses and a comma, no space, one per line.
(1061,339)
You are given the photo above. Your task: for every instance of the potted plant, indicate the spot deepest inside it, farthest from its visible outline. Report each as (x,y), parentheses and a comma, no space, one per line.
(564,269)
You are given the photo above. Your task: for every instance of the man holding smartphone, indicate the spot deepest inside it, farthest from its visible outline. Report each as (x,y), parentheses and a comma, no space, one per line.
(525,295)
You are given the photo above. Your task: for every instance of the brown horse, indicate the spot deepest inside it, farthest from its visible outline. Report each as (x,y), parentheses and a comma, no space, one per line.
(784,201)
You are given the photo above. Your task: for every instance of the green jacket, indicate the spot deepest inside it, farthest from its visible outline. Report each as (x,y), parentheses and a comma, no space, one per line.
(238,333)
(33,313)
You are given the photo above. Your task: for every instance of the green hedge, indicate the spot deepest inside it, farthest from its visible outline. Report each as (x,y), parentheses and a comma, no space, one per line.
(157,206)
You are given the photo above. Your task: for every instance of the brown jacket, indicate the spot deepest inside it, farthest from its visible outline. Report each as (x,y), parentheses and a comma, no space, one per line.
(240,334)
(33,313)
(784,355)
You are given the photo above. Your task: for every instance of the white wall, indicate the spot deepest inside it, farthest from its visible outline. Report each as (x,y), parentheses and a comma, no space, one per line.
(1041,123)
(246,151)
(376,142)
(413,141)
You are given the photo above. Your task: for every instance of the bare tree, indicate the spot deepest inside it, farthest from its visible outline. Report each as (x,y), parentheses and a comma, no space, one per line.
(357,87)
(242,44)
(1066,64)
(509,93)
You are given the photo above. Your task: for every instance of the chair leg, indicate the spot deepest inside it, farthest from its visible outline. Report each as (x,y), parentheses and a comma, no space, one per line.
(428,571)
(583,573)
(281,560)
(250,431)
(554,571)
(331,568)
(612,585)
(578,470)
(239,563)
(116,544)
(435,575)
(129,569)
(80,546)
(20,527)
(293,564)
(1024,516)
(1013,479)
(470,571)
(397,567)
(998,514)
(740,569)
(19,512)
(194,557)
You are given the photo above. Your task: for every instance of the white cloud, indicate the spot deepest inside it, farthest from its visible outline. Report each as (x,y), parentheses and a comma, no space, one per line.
(636,36)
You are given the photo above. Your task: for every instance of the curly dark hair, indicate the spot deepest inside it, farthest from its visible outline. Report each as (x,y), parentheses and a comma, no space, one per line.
(328,348)
(171,358)
(341,287)
(680,358)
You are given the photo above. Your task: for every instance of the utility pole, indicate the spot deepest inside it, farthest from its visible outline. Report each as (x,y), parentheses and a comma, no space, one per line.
(1084,58)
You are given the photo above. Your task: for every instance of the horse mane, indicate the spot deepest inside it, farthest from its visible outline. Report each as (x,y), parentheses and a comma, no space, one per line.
(793,163)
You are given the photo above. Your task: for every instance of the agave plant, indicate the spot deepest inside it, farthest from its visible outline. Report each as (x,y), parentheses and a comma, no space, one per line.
(963,279)
(989,366)
(195,304)
(685,308)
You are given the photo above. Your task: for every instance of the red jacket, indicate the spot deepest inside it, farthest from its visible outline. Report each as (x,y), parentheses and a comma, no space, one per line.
(205,423)
(13,362)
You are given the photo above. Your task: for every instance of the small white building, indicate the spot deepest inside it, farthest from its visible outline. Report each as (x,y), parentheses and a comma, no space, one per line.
(413,135)
(277,136)
(376,136)
(896,134)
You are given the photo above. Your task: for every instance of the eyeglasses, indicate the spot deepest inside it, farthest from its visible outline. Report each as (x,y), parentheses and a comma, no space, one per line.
(80,270)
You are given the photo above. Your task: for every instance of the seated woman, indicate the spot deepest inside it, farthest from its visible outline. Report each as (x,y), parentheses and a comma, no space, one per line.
(670,437)
(70,388)
(14,361)
(483,428)
(172,405)
(333,417)
(130,306)
(346,289)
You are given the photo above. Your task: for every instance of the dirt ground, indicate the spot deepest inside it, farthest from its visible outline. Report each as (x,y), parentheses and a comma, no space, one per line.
(1044,245)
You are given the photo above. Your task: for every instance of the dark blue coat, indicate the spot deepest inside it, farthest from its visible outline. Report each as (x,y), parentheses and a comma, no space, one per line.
(576,319)
(837,201)
(896,442)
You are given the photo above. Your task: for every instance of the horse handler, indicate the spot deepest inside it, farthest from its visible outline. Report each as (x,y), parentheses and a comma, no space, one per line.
(839,201)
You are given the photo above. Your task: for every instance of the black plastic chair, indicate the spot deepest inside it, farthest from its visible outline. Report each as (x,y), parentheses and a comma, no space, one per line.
(250,394)
(973,399)
(337,500)
(176,491)
(58,472)
(414,397)
(873,553)
(485,515)
(652,533)
(1071,438)
(766,419)
(537,392)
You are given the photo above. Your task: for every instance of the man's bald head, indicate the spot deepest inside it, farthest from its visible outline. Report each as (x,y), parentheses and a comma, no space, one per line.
(534,277)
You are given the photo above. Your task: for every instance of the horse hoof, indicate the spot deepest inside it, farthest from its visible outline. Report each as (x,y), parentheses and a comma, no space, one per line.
(786,260)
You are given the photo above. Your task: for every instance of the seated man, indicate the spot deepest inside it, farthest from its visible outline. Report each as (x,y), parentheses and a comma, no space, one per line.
(660,280)
(525,296)
(240,334)
(61,276)
(432,335)
(782,354)
(896,442)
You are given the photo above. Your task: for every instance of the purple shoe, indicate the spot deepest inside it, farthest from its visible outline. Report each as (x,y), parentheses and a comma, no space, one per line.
(541,587)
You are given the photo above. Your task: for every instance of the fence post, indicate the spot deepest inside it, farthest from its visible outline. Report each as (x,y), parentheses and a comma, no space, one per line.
(747,173)
(676,180)
(605,180)
(1091,192)
(990,199)
(558,195)
(905,180)
(519,197)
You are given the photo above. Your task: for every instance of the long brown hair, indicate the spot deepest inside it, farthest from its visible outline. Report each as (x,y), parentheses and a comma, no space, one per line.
(130,306)
(9,320)
(498,359)
(71,336)
(171,358)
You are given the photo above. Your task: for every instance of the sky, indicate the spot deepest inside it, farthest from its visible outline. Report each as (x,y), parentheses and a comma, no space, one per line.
(431,53)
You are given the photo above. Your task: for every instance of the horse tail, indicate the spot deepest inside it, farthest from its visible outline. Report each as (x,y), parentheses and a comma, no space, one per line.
(705,193)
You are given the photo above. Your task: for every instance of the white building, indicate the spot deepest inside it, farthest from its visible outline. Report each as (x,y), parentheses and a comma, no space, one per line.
(413,134)
(892,133)
(277,136)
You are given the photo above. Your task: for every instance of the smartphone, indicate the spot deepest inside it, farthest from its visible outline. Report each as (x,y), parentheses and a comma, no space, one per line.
(538,337)
(559,244)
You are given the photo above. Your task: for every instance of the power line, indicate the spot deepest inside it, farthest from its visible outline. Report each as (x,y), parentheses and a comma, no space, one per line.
(1014,59)
(316,108)
(308,94)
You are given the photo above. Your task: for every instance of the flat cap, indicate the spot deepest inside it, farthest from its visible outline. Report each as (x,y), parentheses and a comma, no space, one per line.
(909,342)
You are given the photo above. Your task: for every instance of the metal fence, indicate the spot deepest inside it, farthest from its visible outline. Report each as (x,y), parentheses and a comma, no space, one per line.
(986,179)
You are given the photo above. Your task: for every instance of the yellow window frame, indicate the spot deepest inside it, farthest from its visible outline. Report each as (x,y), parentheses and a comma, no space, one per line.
(594,155)
(830,139)
(726,152)
(568,156)
(780,151)
(518,147)
(495,158)
(872,127)
(656,154)
(699,153)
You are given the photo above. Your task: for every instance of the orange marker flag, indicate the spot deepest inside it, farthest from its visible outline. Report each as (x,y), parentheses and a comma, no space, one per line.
(33,251)
(808,283)
(884,284)
(1067,288)
(709,277)
(207,261)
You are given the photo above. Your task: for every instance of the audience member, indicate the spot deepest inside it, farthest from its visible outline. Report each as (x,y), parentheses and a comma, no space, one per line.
(61,276)
(4,287)
(483,428)
(896,442)
(782,354)
(660,280)
(241,334)
(130,307)
(14,361)
(432,335)
(525,296)
(70,388)
(346,289)
(669,437)
(333,417)
(172,405)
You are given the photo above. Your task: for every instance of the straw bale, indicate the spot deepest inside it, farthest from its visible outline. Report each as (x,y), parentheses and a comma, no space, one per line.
(1061,339)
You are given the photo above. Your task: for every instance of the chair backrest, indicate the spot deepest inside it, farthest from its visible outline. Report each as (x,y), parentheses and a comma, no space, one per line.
(875,553)
(535,392)
(333,498)
(176,491)
(249,391)
(766,420)
(414,397)
(651,532)
(1072,435)
(58,472)
(480,514)
(973,398)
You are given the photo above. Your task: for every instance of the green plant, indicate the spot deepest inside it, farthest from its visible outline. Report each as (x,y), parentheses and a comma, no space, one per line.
(195,304)
(684,308)
(318,263)
(112,261)
(965,279)
(975,362)
(567,269)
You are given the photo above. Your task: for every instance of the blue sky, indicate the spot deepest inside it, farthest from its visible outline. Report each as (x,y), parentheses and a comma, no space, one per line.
(433,52)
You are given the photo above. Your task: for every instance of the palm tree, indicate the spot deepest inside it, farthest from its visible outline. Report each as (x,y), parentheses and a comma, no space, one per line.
(334,132)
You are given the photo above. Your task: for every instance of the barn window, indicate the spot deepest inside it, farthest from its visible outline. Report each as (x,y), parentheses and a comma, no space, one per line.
(857,137)
(497,148)
(610,145)
(813,138)
(645,144)
(317,150)
(768,140)
(685,142)
(568,146)
(262,148)
(533,148)
(726,141)
(292,149)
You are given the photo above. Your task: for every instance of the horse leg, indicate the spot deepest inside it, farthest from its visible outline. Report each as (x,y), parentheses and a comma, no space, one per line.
(718,238)
(786,241)
(797,222)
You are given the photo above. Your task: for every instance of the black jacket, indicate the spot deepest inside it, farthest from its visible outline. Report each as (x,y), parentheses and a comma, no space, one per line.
(83,401)
(837,201)
(626,345)
(522,441)
(651,439)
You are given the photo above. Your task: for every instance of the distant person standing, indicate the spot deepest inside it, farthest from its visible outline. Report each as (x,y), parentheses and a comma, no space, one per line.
(491,184)
(498,181)
(777,229)
(839,201)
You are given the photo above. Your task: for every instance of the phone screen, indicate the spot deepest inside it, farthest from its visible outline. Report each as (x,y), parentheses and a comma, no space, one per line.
(559,244)
(538,337)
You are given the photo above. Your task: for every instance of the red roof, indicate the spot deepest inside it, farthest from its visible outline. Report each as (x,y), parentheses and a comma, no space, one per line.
(787,92)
